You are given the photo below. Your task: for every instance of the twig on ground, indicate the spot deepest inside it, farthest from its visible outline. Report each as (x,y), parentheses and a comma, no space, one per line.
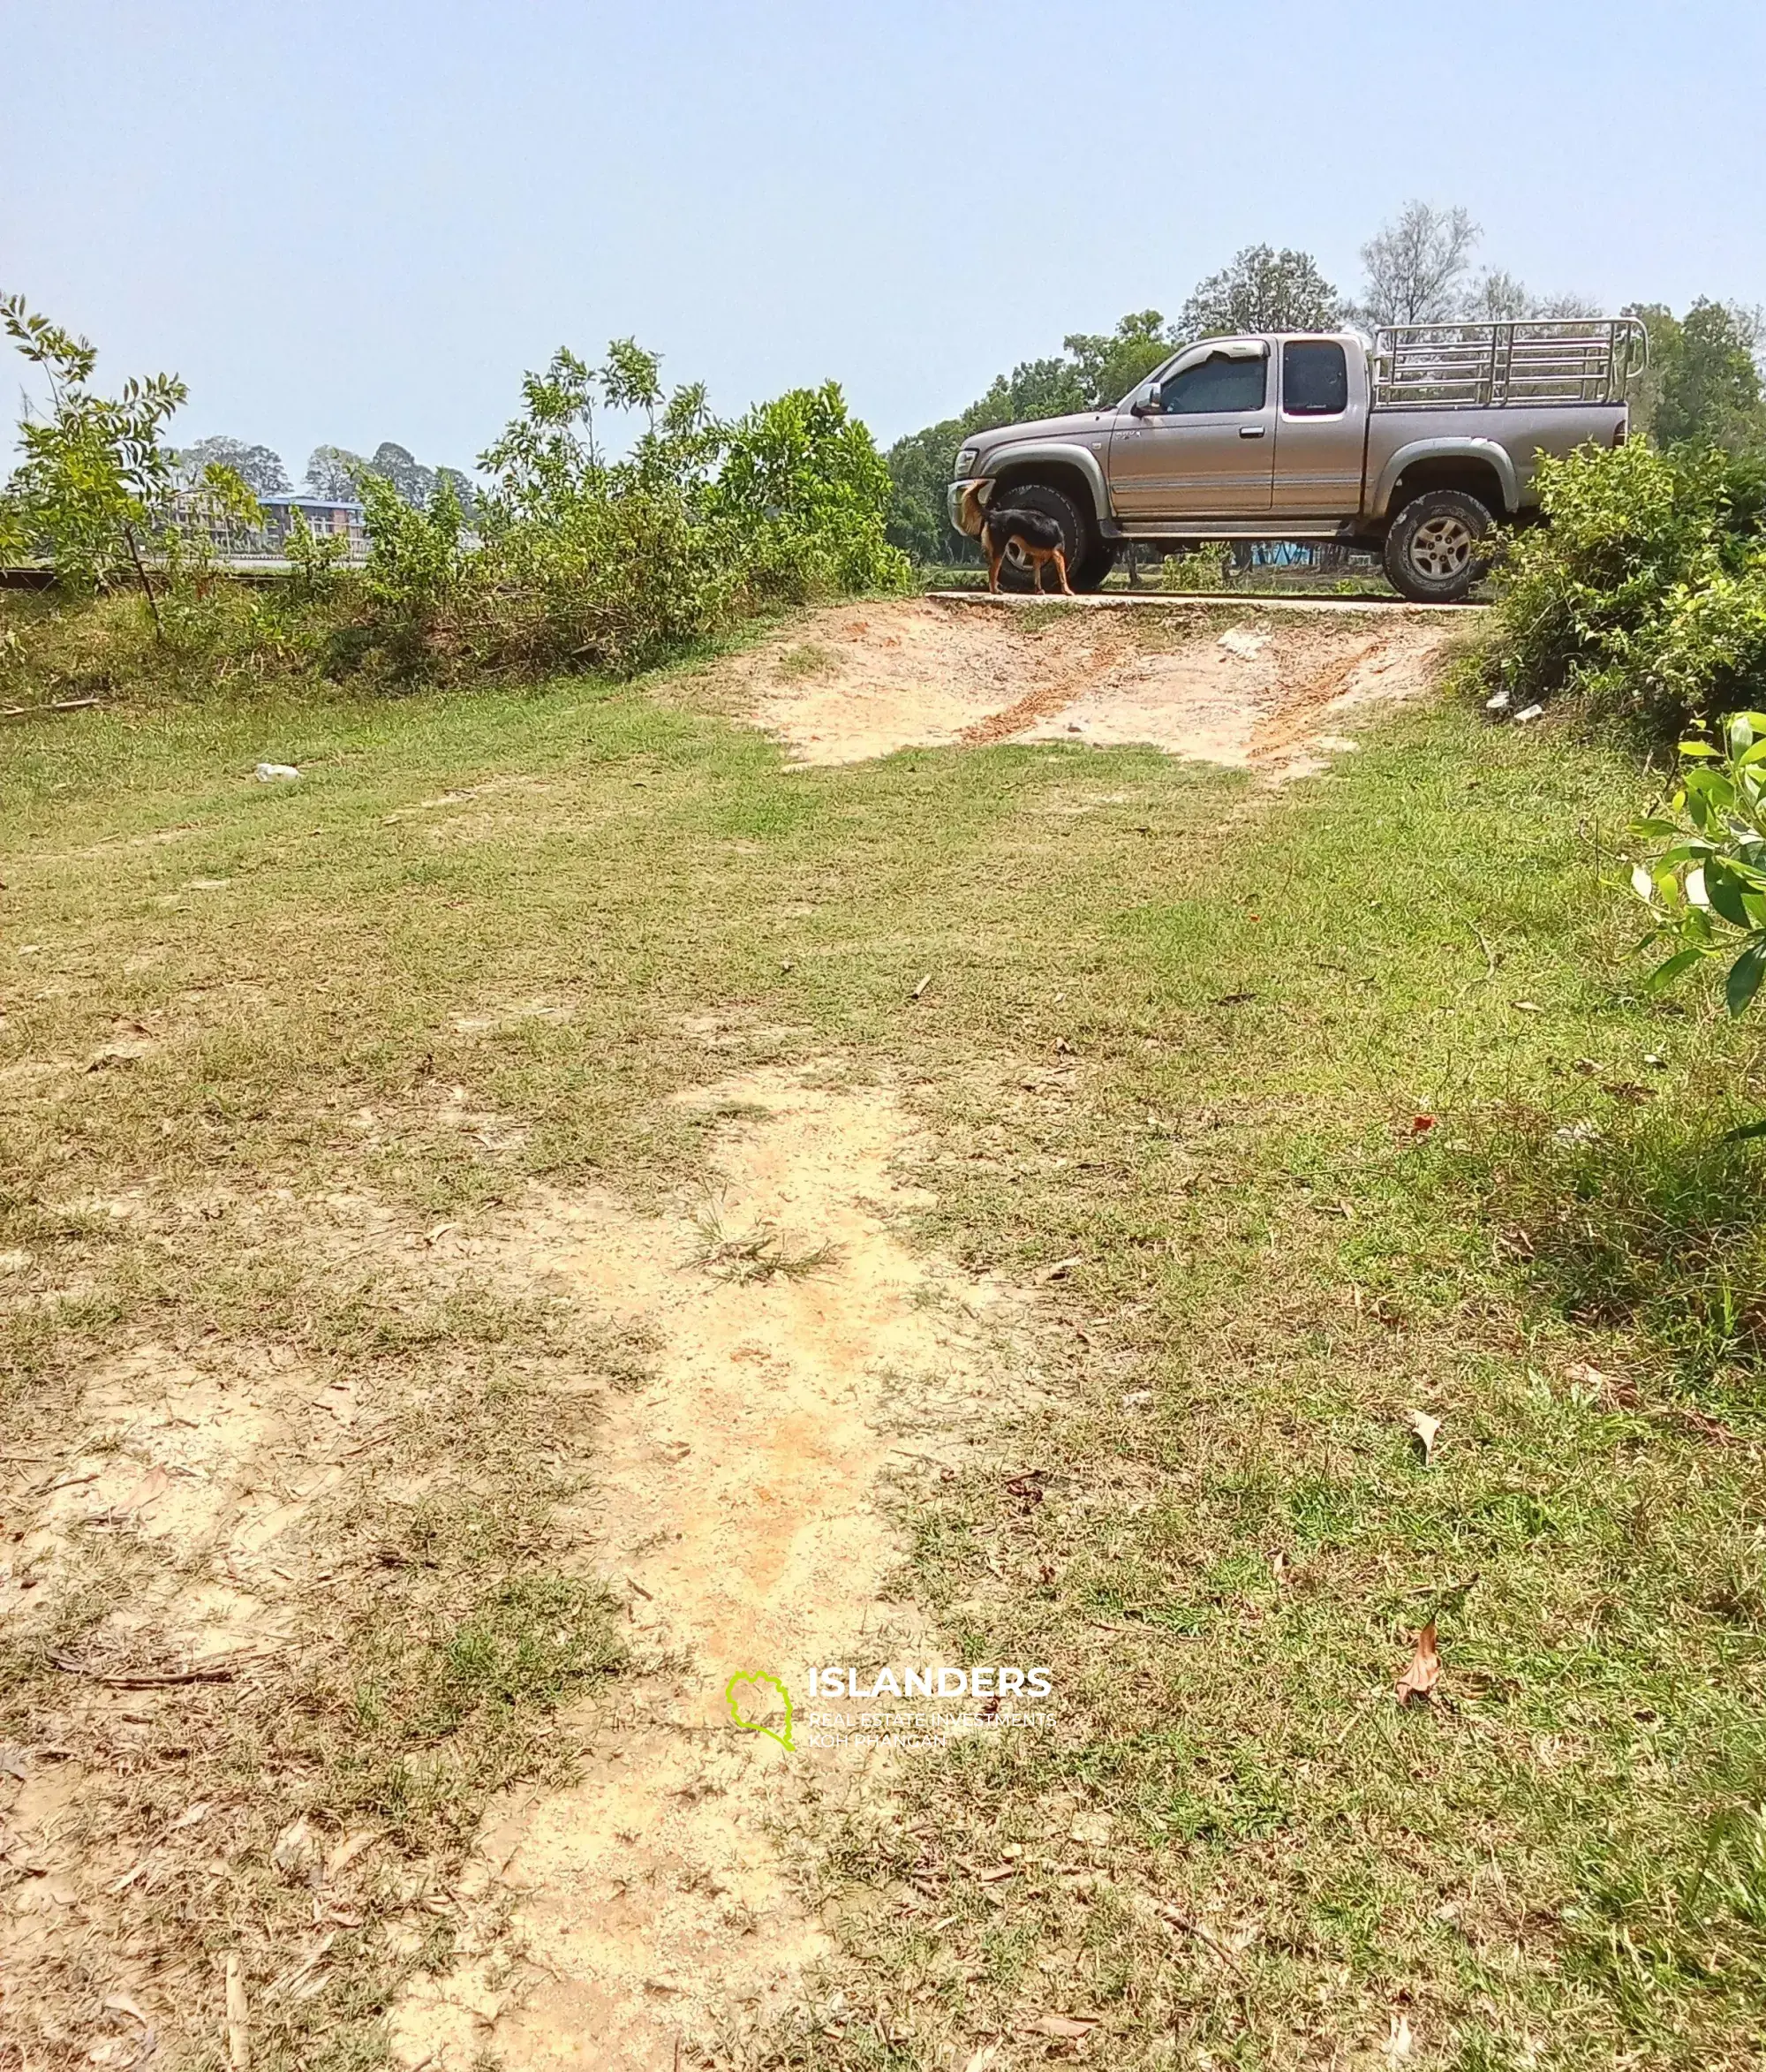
(145,1679)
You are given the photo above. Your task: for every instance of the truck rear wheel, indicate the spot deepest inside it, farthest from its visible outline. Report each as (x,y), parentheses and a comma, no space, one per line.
(1432,547)
(1079,548)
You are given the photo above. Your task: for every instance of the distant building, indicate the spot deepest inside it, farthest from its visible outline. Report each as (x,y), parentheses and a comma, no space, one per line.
(197,511)
(327,518)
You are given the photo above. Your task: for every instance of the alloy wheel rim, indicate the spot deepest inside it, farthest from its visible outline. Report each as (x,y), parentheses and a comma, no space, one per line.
(1442,548)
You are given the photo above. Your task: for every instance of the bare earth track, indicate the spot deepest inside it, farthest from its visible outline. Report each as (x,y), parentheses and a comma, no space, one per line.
(1238,685)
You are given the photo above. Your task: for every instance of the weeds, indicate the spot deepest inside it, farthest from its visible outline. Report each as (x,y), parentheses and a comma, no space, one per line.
(763,1253)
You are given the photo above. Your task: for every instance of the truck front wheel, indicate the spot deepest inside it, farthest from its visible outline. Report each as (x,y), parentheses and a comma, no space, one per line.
(1089,560)
(1432,547)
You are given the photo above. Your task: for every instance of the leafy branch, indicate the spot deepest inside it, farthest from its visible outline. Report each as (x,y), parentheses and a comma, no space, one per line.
(1705,884)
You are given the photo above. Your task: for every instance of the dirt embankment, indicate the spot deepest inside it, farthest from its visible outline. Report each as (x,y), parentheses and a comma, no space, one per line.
(1263,689)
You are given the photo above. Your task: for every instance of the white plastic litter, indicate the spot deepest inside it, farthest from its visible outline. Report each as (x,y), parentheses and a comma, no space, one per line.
(1499,703)
(1533,712)
(1242,641)
(277,773)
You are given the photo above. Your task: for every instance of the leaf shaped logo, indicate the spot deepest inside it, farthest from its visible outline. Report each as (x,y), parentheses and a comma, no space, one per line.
(747,1692)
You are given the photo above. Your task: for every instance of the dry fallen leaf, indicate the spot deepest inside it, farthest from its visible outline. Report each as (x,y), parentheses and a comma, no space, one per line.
(153,1484)
(1424,1673)
(296,1850)
(982,2058)
(1066,2025)
(351,1847)
(1428,1430)
(1399,2045)
(238,2029)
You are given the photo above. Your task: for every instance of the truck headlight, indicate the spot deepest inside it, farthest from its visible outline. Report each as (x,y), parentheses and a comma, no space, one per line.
(965,461)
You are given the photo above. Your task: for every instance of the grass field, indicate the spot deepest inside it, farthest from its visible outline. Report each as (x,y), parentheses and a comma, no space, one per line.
(1303,1109)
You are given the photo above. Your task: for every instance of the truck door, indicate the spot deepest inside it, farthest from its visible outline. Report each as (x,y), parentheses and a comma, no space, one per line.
(1202,444)
(1318,433)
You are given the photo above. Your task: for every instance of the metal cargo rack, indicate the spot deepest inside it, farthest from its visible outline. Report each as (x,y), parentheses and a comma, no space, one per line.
(1539,361)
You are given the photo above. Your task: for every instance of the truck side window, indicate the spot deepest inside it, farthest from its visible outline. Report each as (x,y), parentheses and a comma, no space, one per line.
(1315,378)
(1216,383)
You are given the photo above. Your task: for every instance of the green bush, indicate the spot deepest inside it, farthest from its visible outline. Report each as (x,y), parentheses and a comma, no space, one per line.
(577,560)
(804,499)
(587,562)
(1644,595)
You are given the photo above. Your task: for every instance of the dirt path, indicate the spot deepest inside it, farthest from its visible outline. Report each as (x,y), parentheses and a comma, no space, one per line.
(740,1508)
(1251,688)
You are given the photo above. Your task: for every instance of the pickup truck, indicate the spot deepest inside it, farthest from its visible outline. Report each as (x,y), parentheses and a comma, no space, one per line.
(1414,442)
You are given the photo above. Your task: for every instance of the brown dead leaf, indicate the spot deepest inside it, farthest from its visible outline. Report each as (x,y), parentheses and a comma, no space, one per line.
(153,1484)
(298,1851)
(1071,2026)
(1424,1673)
(1579,1374)
(1428,1430)
(239,2016)
(352,1846)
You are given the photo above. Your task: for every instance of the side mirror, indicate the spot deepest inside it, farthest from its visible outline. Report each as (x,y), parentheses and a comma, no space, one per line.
(1146,407)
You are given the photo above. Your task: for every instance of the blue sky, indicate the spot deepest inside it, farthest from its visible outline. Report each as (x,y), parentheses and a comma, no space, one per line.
(354,223)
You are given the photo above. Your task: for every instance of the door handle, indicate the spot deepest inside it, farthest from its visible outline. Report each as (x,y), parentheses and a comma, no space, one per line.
(1252,431)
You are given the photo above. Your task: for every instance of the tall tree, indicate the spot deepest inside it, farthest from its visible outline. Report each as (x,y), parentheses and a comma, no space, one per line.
(1704,383)
(257,466)
(1107,365)
(1262,290)
(1417,267)
(95,470)
(1497,297)
(396,464)
(334,471)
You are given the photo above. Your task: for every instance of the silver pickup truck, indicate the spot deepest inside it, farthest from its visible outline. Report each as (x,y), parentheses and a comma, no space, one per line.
(1413,443)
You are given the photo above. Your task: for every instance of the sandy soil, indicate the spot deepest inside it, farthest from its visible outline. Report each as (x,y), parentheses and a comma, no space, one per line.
(1270,691)
(740,1510)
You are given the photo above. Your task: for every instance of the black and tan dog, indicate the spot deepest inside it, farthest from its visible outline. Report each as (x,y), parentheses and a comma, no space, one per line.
(1037,537)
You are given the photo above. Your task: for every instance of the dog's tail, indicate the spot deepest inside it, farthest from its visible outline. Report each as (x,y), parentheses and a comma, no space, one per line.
(971,509)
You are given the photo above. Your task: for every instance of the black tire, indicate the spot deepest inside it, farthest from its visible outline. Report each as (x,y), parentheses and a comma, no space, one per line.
(1432,547)
(1091,572)
(1077,545)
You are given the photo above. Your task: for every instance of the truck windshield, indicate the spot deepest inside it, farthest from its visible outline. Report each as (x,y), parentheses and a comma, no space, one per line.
(1216,383)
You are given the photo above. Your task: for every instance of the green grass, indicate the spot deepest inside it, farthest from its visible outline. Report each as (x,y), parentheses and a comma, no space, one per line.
(1182,1033)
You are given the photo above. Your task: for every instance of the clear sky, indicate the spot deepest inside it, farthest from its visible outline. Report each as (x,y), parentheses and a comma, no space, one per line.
(359,222)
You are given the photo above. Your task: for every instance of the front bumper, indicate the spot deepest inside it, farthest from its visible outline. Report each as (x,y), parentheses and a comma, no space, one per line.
(953,500)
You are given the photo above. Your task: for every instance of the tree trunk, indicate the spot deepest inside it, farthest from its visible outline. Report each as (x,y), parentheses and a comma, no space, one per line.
(146,587)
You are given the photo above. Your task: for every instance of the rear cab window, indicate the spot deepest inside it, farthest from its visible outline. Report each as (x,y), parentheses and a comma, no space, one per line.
(1315,378)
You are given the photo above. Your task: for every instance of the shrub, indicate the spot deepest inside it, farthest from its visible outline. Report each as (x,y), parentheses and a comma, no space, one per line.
(592,562)
(579,561)
(804,495)
(1705,882)
(1641,594)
